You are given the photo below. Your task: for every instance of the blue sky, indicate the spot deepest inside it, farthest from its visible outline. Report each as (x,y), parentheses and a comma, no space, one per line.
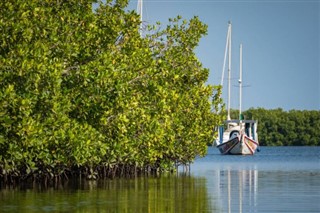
(281,46)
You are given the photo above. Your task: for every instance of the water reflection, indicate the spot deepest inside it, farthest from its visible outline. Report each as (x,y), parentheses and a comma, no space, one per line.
(181,193)
(237,189)
(280,179)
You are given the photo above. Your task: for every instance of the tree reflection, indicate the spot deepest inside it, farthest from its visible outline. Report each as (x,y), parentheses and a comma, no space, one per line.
(173,193)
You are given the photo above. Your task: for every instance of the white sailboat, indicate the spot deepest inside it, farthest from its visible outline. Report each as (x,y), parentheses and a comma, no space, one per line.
(237,137)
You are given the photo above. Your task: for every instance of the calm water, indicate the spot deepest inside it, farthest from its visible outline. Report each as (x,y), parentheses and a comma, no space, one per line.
(277,179)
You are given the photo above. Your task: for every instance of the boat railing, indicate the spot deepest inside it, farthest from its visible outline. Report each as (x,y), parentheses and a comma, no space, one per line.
(240,121)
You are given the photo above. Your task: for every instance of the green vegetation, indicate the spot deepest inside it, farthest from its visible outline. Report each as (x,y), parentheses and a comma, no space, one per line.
(286,128)
(82,93)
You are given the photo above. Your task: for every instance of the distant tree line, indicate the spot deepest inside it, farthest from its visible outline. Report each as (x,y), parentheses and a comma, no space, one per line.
(277,127)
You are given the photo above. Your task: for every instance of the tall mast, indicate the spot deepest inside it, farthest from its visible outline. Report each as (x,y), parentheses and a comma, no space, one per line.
(240,84)
(140,12)
(229,71)
(227,53)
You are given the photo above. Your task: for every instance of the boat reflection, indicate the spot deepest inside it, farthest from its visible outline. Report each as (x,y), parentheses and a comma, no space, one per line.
(237,189)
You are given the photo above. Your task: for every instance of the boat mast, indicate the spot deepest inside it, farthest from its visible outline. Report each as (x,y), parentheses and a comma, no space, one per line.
(240,85)
(227,50)
(229,70)
(140,12)
(225,55)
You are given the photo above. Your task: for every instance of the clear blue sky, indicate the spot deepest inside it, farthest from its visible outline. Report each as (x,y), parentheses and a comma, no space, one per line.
(281,46)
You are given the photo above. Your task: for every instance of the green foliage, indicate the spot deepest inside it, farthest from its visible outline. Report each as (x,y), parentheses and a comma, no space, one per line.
(81,90)
(287,128)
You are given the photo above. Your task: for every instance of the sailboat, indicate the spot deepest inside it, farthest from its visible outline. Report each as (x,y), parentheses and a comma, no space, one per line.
(236,137)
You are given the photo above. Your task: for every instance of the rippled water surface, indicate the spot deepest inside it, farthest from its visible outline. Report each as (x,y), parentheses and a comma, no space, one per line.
(277,179)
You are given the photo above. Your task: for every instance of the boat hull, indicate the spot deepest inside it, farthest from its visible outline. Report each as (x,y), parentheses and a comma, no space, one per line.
(240,145)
